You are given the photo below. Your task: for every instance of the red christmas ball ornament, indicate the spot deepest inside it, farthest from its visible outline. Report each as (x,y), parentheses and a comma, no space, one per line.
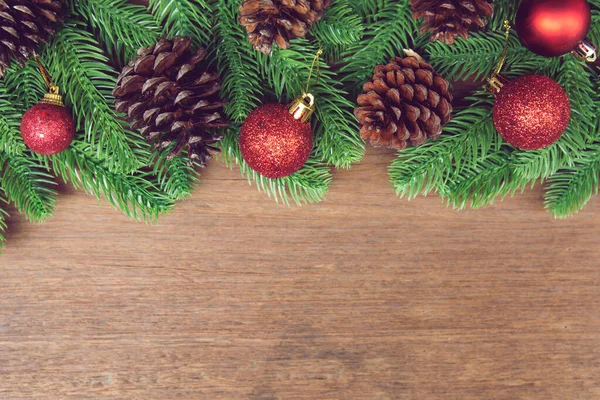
(276,140)
(531,112)
(47,128)
(552,28)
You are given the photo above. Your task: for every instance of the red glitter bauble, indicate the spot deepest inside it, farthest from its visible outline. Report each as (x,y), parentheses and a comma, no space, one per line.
(532,112)
(553,27)
(273,143)
(47,128)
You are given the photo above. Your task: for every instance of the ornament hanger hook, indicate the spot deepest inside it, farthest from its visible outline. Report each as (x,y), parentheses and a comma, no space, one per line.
(312,67)
(496,80)
(502,59)
(52,88)
(53,96)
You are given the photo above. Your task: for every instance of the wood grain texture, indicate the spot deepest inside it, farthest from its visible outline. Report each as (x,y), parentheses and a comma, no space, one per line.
(364,296)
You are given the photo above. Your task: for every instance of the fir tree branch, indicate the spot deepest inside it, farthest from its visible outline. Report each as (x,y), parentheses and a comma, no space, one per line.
(79,67)
(594,33)
(385,38)
(175,177)
(184,18)
(467,140)
(482,183)
(237,64)
(569,190)
(135,195)
(25,85)
(476,57)
(503,10)
(11,142)
(121,27)
(339,28)
(369,10)
(308,185)
(574,77)
(27,185)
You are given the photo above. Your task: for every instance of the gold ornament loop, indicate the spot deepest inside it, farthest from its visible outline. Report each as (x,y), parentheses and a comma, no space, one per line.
(53,96)
(312,67)
(496,81)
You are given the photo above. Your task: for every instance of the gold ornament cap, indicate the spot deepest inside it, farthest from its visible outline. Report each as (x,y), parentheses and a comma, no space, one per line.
(586,51)
(303,107)
(53,97)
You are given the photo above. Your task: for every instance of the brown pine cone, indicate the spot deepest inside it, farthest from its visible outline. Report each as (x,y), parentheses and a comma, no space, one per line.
(447,19)
(405,104)
(23,25)
(172,98)
(278,21)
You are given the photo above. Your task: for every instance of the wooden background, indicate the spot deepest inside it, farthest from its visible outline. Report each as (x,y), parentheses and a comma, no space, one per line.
(364,296)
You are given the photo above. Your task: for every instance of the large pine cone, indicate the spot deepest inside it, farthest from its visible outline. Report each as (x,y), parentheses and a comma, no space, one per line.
(23,25)
(405,104)
(172,98)
(278,21)
(447,19)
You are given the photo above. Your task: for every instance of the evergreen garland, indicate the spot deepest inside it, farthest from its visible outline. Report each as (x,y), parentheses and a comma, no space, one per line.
(469,165)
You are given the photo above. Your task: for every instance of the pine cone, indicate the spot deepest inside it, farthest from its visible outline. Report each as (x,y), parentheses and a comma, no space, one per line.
(278,21)
(405,104)
(172,98)
(447,19)
(23,25)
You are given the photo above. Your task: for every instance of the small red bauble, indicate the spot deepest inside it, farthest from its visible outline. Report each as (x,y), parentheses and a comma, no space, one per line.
(273,142)
(47,128)
(531,112)
(552,28)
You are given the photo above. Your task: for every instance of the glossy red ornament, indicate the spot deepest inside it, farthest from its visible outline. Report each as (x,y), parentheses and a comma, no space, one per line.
(273,142)
(531,112)
(47,128)
(552,28)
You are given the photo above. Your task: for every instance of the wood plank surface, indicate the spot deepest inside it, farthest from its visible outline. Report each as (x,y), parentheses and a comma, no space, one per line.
(364,296)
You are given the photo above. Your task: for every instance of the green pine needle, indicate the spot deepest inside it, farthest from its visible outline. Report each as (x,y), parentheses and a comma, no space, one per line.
(569,190)
(467,140)
(479,185)
(476,57)
(338,30)
(392,31)
(120,26)
(26,184)
(503,10)
(237,64)
(11,142)
(369,10)
(25,85)
(184,18)
(137,195)
(175,176)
